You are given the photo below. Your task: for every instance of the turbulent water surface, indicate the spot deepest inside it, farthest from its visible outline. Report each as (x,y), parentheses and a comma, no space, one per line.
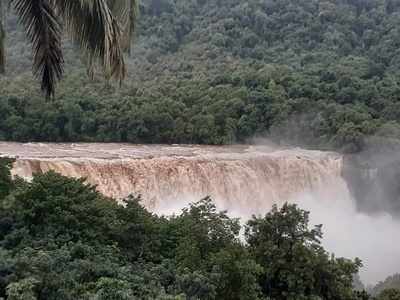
(244,180)
(248,178)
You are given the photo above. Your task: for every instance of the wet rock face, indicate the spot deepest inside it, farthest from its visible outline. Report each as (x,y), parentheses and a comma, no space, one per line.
(245,178)
(388,178)
(374,181)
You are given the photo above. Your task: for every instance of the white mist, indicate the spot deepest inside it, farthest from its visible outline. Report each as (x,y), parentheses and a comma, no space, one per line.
(349,233)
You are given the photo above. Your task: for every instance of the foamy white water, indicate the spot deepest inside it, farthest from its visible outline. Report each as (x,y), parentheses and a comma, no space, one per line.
(348,233)
(244,178)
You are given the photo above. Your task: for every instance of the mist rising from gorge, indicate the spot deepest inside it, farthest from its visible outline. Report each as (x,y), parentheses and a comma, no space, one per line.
(347,232)
(360,210)
(351,233)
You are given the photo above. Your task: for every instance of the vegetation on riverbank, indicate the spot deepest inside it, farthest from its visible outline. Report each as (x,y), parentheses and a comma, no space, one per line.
(60,239)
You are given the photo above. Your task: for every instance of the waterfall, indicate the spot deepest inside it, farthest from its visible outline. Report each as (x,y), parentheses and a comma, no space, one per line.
(239,178)
(244,180)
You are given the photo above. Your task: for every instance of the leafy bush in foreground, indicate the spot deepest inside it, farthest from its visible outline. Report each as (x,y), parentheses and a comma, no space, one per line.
(60,239)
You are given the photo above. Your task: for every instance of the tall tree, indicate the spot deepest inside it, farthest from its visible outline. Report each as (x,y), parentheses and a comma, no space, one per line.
(295,264)
(5,176)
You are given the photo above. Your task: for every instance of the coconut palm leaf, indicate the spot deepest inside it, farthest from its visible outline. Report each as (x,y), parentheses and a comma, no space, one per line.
(126,11)
(2,38)
(2,50)
(44,31)
(91,24)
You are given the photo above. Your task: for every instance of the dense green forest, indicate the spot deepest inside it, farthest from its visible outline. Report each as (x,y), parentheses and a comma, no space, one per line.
(320,73)
(60,239)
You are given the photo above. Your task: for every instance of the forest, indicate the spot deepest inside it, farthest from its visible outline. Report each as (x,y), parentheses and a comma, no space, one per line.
(61,239)
(318,73)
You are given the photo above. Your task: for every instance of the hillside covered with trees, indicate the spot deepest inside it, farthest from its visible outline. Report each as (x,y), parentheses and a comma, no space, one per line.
(320,73)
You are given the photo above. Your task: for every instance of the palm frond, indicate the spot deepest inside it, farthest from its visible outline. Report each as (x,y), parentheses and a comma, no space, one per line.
(92,25)
(2,50)
(2,39)
(44,31)
(126,12)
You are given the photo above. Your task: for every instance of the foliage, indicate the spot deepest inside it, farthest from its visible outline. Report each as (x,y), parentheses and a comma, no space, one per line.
(389,294)
(295,264)
(60,239)
(93,25)
(317,73)
(390,283)
(5,176)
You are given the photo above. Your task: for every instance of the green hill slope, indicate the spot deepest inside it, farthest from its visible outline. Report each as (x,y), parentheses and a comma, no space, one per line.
(320,73)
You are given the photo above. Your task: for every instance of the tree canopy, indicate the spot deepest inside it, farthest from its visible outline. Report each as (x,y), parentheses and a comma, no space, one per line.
(319,73)
(60,239)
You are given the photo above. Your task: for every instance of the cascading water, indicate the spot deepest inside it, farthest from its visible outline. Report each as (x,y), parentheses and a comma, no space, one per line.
(244,180)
